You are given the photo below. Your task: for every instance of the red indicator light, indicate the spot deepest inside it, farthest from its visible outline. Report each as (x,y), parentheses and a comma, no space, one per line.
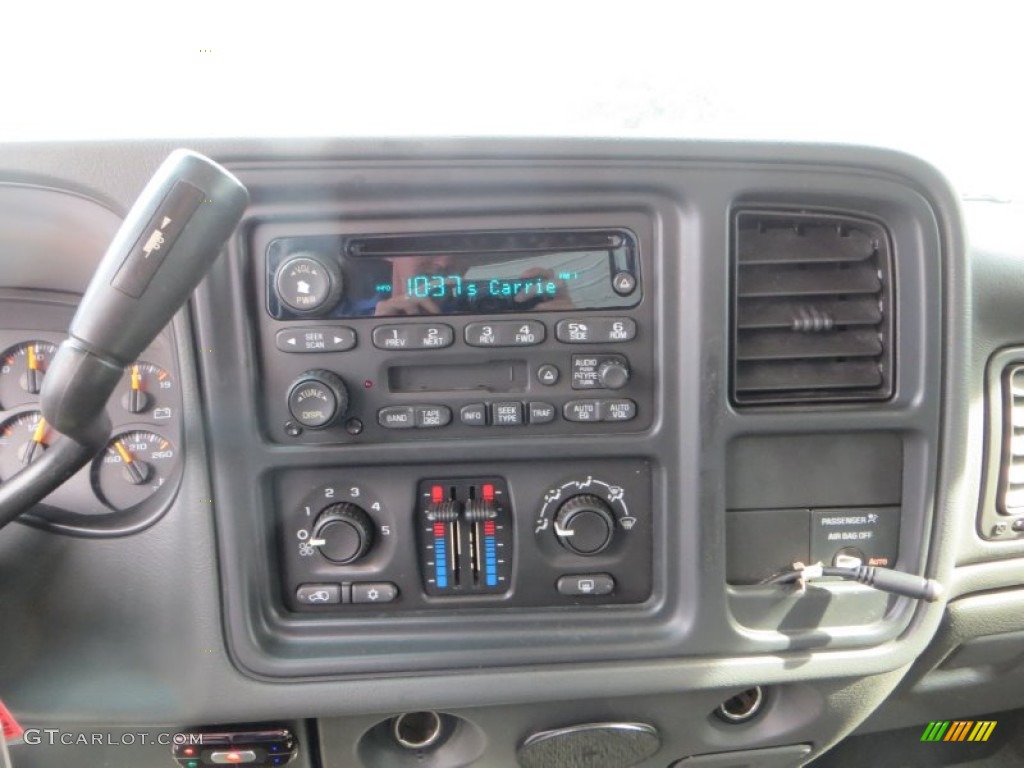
(437,494)
(439,530)
(489,528)
(488,491)
(368,384)
(188,751)
(233,757)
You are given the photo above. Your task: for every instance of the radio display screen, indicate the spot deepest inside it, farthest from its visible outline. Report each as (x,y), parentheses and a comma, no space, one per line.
(462,274)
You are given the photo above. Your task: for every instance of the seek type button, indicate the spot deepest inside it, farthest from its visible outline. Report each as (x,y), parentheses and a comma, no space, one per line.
(507,414)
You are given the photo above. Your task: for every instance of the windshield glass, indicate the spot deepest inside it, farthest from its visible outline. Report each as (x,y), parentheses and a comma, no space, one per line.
(936,80)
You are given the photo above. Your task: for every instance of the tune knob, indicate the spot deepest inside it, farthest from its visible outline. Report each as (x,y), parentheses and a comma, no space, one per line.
(613,374)
(308,282)
(584,525)
(318,398)
(344,533)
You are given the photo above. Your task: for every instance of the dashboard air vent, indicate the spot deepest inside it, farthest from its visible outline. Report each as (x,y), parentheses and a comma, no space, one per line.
(813,309)
(1011,485)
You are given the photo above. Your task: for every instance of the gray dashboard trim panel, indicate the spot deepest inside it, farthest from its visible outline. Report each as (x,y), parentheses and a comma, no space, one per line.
(157,652)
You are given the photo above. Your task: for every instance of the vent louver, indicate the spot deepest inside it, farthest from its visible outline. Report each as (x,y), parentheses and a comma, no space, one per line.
(1011,486)
(812,310)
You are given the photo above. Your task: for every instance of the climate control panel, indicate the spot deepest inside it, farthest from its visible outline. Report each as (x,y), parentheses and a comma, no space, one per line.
(528,534)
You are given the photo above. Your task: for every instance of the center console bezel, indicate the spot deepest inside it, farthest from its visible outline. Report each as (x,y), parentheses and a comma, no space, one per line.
(690,612)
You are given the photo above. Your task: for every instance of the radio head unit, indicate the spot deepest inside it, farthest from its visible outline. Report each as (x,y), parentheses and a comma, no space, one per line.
(452,274)
(377,338)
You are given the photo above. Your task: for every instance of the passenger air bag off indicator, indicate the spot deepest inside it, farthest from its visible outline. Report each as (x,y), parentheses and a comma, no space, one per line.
(869,534)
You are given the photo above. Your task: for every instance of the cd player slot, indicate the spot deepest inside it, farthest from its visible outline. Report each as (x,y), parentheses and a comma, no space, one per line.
(498,376)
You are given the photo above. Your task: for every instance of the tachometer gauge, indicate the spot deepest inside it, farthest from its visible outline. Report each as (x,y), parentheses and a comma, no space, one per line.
(147,388)
(22,368)
(23,439)
(132,467)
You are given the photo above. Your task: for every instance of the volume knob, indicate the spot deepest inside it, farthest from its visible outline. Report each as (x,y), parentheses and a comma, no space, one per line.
(308,283)
(584,525)
(345,533)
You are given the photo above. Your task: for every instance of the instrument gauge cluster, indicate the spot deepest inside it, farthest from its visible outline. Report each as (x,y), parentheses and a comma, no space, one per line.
(132,481)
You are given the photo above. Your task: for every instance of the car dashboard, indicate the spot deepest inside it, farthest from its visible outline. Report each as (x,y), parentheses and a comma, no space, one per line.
(505,441)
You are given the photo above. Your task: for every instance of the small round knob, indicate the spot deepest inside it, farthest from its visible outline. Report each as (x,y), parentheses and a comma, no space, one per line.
(307,283)
(613,374)
(584,525)
(318,398)
(346,532)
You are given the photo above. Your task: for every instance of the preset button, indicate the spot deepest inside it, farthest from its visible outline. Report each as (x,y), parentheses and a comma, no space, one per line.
(413,336)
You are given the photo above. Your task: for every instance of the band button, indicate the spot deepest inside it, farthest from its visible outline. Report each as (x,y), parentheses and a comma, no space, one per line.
(397,417)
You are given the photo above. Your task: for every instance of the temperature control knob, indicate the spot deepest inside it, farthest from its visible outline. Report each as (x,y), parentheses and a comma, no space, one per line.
(613,374)
(318,398)
(584,525)
(343,532)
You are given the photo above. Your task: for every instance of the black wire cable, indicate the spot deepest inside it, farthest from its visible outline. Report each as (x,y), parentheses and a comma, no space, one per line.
(884,579)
